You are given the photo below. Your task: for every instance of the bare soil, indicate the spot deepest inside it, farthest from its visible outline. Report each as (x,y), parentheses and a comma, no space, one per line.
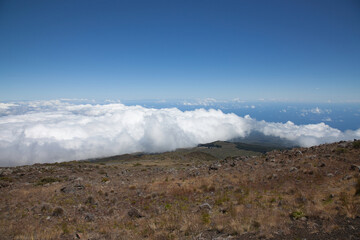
(302,193)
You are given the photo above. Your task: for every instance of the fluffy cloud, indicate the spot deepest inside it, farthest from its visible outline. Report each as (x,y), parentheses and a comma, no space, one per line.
(315,110)
(202,102)
(49,131)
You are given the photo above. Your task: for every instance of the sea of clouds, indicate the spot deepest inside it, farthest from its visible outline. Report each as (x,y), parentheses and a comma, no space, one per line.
(60,130)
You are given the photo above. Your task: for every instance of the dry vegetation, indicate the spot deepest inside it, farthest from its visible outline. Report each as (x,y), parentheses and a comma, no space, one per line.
(311,193)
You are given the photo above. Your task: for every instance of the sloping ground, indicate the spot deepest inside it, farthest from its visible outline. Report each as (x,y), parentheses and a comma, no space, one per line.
(310,193)
(222,149)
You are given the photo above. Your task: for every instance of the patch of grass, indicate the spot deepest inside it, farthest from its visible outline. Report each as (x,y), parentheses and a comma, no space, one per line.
(328,200)
(6,179)
(46,180)
(205,218)
(167,206)
(137,164)
(204,188)
(105,179)
(340,150)
(221,199)
(357,187)
(297,214)
(356,144)
(65,228)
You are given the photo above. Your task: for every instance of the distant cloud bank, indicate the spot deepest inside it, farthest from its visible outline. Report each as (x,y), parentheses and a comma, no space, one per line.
(50,131)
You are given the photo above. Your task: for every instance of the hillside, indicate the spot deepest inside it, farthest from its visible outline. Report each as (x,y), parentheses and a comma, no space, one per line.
(311,193)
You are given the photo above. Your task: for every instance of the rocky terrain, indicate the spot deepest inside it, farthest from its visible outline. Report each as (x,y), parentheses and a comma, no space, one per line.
(302,193)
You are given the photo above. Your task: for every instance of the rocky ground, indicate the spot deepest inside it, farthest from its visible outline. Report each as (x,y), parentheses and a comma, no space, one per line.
(303,193)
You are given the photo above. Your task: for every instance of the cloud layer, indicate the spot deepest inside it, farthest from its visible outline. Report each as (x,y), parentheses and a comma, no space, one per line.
(50,131)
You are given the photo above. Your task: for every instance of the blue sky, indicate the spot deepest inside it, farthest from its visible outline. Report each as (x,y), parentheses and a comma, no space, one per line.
(284,50)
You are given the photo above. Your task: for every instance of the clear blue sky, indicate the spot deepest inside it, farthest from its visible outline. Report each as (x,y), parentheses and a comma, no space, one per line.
(287,50)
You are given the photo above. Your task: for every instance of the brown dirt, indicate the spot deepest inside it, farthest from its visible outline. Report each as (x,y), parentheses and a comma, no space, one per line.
(303,193)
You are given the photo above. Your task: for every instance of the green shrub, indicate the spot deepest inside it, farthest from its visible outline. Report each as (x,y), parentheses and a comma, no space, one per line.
(7,179)
(221,199)
(356,144)
(340,150)
(167,206)
(205,217)
(46,180)
(297,214)
(105,179)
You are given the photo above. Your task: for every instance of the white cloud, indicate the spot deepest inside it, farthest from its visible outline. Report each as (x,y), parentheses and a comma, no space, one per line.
(315,110)
(202,102)
(49,131)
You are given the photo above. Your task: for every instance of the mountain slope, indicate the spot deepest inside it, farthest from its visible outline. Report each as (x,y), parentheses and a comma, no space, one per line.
(310,193)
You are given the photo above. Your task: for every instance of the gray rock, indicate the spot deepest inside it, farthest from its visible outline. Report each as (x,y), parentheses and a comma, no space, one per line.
(72,188)
(355,167)
(213,167)
(205,206)
(89,217)
(347,177)
(134,213)
(343,144)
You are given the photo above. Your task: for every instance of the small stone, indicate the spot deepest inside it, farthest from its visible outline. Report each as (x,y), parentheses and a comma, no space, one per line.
(355,167)
(133,212)
(293,169)
(322,164)
(213,167)
(347,177)
(330,175)
(205,206)
(89,217)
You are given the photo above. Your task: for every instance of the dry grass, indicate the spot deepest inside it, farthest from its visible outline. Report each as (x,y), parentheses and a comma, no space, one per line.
(181,200)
